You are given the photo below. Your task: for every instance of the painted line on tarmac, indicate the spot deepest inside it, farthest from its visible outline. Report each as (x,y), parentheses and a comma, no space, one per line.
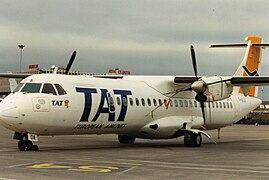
(107,162)
(7,150)
(209,167)
(90,167)
(20,165)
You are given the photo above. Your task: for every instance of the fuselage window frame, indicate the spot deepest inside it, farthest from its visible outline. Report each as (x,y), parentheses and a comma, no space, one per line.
(143,102)
(149,102)
(154,102)
(137,102)
(181,103)
(160,102)
(176,103)
(186,103)
(190,103)
(195,103)
(118,101)
(131,102)
(124,101)
(171,103)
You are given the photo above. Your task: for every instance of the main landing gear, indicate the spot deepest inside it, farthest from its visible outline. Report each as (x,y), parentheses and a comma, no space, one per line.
(192,139)
(125,139)
(24,144)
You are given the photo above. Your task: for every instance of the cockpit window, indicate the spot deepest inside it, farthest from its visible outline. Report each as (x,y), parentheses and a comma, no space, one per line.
(18,87)
(48,89)
(31,88)
(60,89)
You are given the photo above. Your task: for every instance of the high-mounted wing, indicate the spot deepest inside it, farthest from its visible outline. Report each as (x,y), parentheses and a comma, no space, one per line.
(11,75)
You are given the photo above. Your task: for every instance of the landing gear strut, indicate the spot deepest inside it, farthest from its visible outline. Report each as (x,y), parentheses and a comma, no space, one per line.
(124,139)
(24,144)
(192,139)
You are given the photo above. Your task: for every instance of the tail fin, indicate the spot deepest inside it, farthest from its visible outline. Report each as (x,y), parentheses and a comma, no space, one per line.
(250,66)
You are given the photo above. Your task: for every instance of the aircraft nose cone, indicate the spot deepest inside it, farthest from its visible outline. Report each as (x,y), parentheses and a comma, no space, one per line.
(8,115)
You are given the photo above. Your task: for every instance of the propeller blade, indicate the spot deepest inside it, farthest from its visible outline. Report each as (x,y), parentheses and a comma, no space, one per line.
(194,62)
(203,110)
(70,62)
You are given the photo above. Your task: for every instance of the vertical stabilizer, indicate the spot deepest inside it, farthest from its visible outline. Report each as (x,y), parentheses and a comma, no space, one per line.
(250,66)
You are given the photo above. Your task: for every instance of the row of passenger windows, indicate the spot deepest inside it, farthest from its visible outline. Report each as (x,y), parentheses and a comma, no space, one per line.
(172,103)
(47,88)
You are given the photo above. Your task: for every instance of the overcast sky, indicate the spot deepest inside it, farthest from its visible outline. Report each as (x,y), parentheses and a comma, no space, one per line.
(142,36)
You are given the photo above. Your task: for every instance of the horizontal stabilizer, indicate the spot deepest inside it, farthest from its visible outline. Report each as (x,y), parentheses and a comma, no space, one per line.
(236,45)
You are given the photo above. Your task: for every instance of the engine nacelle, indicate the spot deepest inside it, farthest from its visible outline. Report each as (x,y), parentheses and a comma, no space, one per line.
(217,91)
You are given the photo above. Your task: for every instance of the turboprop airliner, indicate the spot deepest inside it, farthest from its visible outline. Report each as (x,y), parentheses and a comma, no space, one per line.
(150,107)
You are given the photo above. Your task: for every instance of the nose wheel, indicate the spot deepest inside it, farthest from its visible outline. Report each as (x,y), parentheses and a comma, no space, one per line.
(26,145)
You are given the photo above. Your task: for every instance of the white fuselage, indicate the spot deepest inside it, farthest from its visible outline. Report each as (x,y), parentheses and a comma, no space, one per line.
(120,106)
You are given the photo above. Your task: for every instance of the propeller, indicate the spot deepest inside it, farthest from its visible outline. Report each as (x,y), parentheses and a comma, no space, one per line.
(194,62)
(198,86)
(70,62)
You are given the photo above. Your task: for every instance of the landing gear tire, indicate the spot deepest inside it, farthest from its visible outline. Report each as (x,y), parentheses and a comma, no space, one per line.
(192,140)
(26,145)
(124,139)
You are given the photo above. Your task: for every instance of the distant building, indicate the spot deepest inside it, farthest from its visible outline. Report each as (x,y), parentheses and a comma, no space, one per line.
(117,71)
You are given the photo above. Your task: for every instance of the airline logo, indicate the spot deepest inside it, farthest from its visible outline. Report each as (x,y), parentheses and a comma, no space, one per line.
(253,73)
(106,104)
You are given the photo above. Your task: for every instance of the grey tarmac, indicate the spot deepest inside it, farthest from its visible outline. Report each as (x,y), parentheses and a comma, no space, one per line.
(241,153)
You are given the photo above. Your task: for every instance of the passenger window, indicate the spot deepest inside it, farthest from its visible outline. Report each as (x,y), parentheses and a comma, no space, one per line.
(160,102)
(143,102)
(228,105)
(220,105)
(110,102)
(186,103)
(224,105)
(231,105)
(195,104)
(18,87)
(217,105)
(171,103)
(154,102)
(176,103)
(190,102)
(131,101)
(31,88)
(208,104)
(60,89)
(124,101)
(118,101)
(149,102)
(48,89)
(213,105)
(181,103)
(165,101)
(137,101)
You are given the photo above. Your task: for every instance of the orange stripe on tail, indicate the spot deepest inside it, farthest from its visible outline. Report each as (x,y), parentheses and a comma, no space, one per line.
(253,61)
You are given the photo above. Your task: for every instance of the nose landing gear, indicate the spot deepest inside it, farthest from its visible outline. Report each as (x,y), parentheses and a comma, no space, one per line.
(24,144)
